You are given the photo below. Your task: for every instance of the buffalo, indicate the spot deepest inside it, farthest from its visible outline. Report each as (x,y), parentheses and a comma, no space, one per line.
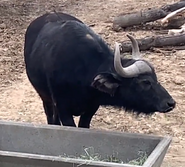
(74,71)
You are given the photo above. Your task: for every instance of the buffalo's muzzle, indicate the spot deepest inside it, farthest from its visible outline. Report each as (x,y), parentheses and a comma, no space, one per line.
(170,105)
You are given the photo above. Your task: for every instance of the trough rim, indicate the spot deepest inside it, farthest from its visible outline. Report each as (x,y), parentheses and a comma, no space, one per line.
(75,129)
(77,162)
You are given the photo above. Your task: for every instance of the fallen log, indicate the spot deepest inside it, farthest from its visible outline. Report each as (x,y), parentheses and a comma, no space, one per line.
(148,15)
(155,41)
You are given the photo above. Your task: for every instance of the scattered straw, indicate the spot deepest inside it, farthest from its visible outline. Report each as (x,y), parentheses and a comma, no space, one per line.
(91,155)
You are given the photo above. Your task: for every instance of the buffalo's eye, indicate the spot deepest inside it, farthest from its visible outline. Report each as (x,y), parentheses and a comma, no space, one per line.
(146,84)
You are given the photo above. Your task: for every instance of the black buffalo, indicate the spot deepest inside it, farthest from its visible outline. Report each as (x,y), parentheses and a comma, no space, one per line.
(74,72)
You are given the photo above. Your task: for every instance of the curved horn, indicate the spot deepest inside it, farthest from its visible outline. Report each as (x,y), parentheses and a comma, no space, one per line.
(135,48)
(117,61)
(133,70)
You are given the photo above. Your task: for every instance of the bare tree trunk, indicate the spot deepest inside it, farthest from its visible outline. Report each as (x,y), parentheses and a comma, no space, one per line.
(148,15)
(155,41)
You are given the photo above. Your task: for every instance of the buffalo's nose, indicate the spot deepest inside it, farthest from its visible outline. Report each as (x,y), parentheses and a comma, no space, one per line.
(171,103)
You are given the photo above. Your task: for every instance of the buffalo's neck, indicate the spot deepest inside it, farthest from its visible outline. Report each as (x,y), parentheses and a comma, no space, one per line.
(106,65)
(109,100)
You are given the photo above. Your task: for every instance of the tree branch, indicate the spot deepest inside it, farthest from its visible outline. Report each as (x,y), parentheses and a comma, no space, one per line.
(171,15)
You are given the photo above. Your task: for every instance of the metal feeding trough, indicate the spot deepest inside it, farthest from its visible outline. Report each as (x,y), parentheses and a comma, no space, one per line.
(27,145)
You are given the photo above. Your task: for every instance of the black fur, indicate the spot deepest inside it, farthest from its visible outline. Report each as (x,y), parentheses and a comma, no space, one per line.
(72,70)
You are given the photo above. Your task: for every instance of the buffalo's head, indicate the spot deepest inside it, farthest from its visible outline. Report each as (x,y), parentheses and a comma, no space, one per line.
(133,84)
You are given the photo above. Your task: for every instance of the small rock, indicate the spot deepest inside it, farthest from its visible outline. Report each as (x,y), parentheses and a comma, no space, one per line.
(2,25)
(179,80)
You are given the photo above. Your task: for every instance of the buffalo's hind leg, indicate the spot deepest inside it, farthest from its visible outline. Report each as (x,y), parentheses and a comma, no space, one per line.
(51,113)
(45,94)
(85,119)
(64,113)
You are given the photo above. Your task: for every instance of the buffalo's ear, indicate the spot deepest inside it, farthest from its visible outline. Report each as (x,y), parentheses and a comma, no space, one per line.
(105,82)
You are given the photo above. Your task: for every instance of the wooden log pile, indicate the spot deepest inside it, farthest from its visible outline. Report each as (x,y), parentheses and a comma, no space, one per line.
(171,17)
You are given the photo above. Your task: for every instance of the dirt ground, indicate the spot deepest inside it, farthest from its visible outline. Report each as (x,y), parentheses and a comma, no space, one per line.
(19,101)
